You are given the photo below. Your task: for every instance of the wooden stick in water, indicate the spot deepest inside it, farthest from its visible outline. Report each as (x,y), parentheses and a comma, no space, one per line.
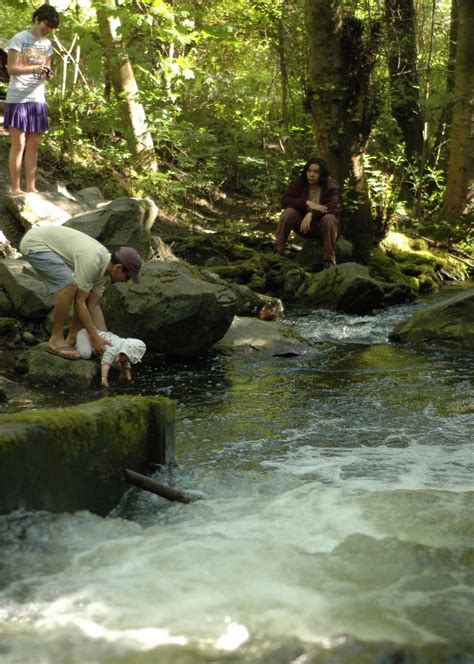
(148,484)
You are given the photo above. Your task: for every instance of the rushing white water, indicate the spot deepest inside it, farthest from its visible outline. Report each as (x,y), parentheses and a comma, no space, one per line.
(336,502)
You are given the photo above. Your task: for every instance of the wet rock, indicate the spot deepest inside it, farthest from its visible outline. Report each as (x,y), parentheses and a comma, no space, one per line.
(26,291)
(10,390)
(348,288)
(172,309)
(44,369)
(266,338)
(123,222)
(449,322)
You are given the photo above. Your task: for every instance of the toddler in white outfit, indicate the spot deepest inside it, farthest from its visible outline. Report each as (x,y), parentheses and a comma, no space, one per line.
(121,352)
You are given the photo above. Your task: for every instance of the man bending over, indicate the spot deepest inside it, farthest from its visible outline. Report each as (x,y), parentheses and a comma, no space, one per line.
(75,267)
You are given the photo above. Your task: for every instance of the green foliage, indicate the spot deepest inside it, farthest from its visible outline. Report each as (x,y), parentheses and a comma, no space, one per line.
(211,81)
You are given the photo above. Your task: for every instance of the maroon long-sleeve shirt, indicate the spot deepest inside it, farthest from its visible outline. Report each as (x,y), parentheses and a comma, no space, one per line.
(297,193)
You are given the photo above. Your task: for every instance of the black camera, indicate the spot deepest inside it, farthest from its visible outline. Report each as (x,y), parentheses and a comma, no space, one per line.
(48,73)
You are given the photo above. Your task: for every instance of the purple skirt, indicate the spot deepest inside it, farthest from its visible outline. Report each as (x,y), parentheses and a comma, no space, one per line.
(29,116)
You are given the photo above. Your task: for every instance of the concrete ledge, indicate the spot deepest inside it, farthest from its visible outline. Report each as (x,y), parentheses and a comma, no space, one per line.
(67,459)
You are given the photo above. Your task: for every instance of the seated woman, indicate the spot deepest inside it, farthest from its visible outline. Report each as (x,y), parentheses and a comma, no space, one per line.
(311,203)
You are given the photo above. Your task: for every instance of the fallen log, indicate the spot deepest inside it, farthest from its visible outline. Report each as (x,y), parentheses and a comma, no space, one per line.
(144,482)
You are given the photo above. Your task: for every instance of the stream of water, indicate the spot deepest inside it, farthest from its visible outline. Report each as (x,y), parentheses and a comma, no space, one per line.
(335,519)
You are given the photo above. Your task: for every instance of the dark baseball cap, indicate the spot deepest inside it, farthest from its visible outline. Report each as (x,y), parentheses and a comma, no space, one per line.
(131,262)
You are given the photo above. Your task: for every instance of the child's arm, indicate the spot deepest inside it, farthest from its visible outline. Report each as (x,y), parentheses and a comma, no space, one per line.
(104,374)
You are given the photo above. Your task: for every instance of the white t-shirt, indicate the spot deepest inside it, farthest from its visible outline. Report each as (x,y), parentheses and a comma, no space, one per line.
(86,257)
(33,51)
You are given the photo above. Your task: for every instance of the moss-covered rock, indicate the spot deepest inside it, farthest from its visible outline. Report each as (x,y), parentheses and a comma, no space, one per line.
(72,458)
(311,255)
(428,266)
(347,288)
(41,368)
(384,268)
(8,326)
(450,322)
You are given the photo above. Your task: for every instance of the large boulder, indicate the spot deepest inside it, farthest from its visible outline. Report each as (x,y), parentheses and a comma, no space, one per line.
(265,338)
(311,255)
(172,309)
(449,322)
(43,369)
(123,222)
(348,288)
(26,291)
(52,208)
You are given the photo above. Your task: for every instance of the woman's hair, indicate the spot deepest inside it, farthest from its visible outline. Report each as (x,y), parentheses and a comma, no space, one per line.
(323,170)
(48,14)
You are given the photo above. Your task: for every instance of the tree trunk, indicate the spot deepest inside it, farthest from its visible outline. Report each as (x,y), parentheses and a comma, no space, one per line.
(338,97)
(139,140)
(459,195)
(283,78)
(403,69)
(446,118)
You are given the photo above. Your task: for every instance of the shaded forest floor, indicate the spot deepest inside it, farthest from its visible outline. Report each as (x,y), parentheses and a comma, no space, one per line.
(222,212)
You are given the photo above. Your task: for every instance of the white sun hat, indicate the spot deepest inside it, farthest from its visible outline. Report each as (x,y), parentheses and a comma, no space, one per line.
(134,349)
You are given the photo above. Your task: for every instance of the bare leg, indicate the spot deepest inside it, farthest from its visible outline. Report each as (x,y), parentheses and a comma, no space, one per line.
(17,146)
(93,305)
(62,304)
(33,141)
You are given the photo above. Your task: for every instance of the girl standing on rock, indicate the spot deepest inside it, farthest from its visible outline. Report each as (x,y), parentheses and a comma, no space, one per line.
(29,59)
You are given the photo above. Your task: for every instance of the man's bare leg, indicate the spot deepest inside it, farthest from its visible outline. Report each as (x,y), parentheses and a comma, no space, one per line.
(62,304)
(95,310)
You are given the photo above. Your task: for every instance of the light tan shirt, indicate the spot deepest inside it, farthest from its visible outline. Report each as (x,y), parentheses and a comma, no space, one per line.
(86,257)
(315,194)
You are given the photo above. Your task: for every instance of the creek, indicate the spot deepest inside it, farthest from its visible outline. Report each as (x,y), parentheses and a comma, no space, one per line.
(335,516)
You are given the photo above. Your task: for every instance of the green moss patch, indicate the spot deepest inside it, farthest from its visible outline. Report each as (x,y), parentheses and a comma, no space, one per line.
(72,458)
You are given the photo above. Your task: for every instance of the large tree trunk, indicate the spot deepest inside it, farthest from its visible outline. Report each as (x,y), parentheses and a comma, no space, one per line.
(139,140)
(439,157)
(459,195)
(403,68)
(340,64)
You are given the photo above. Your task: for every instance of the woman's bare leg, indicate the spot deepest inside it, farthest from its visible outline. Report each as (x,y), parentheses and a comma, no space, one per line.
(17,146)
(33,141)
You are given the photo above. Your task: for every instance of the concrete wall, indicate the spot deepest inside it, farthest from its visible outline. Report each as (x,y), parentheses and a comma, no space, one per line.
(67,459)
